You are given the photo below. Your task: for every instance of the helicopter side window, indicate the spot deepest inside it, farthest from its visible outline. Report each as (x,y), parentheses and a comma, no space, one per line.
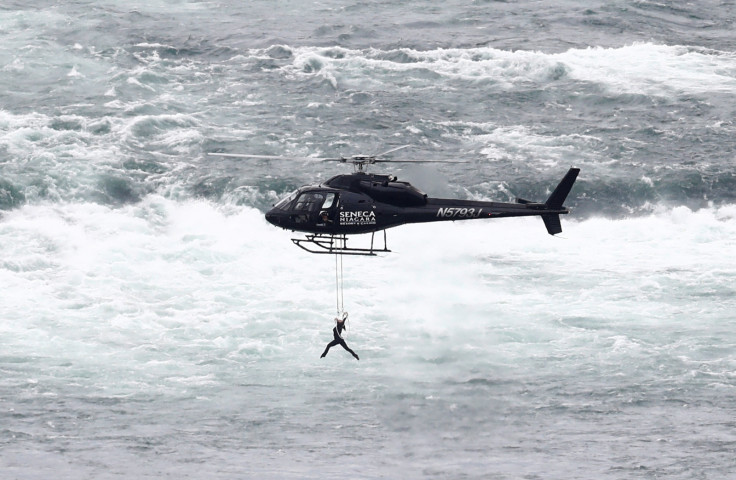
(329,201)
(309,202)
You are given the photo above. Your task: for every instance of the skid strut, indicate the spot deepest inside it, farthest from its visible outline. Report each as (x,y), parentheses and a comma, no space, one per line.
(337,244)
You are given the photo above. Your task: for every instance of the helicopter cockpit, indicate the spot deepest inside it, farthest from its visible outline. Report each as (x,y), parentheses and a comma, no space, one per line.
(305,206)
(313,207)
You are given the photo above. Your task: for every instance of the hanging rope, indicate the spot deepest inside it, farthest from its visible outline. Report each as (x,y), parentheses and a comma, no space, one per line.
(340,289)
(339,297)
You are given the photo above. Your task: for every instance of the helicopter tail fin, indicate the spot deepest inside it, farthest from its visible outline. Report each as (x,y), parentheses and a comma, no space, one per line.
(552,222)
(558,197)
(555,201)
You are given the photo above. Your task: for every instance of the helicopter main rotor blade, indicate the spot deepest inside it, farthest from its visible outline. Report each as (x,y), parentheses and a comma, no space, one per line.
(274,157)
(389,151)
(420,161)
(358,160)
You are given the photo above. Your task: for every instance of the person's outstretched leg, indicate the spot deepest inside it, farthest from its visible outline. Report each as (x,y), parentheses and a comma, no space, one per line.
(345,346)
(329,345)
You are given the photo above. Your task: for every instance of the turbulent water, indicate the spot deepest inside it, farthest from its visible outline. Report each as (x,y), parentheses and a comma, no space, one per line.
(153,325)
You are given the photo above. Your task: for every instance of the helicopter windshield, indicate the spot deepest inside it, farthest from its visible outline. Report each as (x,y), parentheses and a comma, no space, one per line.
(286,200)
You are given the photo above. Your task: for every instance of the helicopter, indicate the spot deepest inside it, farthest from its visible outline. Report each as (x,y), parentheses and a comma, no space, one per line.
(362,202)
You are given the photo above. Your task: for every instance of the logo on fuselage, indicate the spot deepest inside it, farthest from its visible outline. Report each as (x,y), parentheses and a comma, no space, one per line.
(364,217)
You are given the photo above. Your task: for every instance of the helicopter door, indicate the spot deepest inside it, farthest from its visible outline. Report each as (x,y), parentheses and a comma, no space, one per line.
(308,206)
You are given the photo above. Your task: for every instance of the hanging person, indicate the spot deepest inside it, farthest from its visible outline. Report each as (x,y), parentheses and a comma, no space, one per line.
(337,334)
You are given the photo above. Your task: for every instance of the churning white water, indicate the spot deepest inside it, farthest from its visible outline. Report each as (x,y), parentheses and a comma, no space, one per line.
(153,325)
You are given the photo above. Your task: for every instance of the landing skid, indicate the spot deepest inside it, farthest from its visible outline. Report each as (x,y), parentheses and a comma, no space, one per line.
(337,244)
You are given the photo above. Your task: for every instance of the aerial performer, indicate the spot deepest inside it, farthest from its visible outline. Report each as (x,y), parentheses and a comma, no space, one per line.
(337,334)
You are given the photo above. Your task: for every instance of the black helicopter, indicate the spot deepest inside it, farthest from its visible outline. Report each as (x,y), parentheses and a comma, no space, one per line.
(362,202)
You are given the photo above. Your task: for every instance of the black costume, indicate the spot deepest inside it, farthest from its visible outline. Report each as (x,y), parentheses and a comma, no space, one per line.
(338,340)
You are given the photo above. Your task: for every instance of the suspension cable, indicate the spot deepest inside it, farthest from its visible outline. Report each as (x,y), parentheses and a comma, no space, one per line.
(339,295)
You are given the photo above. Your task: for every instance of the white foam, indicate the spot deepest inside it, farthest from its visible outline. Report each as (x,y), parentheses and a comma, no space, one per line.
(653,69)
(163,261)
(640,68)
(196,300)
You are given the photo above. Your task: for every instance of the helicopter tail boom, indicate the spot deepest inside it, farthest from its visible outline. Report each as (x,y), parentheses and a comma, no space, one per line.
(454,209)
